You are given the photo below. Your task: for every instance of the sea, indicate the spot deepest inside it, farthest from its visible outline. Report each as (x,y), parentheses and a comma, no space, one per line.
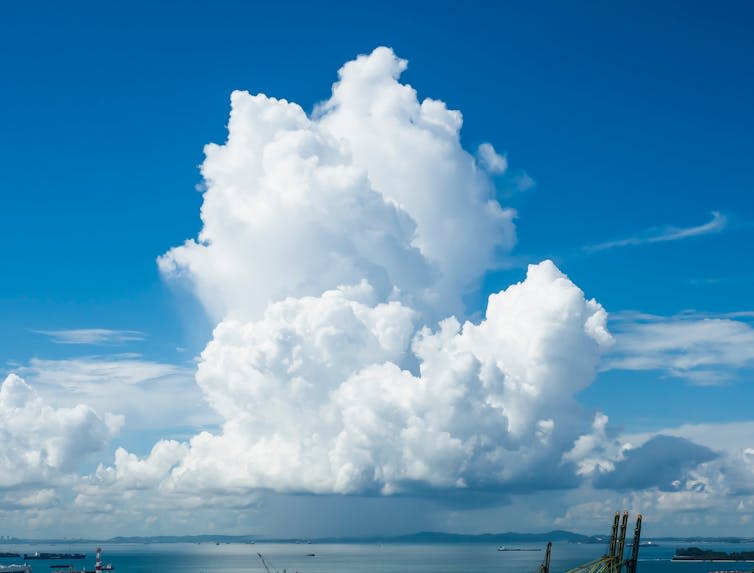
(355,557)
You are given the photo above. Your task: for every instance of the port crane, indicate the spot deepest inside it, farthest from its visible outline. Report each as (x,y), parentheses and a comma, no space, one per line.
(545,566)
(267,565)
(613,561)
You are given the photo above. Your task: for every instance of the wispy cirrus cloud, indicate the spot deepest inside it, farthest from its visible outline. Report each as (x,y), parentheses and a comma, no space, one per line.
(95,336)
(152,395)
(664,234)
(701,348)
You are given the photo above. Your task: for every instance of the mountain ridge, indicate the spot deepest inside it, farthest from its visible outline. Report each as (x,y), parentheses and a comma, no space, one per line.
(558,535)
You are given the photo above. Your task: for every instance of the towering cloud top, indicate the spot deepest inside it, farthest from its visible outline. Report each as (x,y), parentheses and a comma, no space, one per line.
(374,186)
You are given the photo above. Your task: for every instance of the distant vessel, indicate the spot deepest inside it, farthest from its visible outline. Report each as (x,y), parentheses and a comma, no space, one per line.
(38,555)
(696,554)
(504,548)
(15,568)
(98,566)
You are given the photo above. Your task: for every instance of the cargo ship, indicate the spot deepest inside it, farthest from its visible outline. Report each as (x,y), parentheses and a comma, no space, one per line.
(15,568)
(98,566)
(38,555)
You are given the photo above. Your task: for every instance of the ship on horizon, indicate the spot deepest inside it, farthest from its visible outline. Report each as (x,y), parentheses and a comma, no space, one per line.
(38,555)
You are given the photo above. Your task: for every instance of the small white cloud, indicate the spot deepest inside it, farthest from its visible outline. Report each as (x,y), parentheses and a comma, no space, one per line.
(30,498)
(95,336)
(596,452)
(665,234)
(523,182)
(491,160)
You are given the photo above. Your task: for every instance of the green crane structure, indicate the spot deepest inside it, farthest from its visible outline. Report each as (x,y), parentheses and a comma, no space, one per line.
(545,566)
(613,561)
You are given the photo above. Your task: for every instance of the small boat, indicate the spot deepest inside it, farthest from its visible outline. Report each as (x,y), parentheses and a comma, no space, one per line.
(504,548)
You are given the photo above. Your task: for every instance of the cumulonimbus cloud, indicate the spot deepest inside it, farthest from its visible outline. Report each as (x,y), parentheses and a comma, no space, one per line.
(332,244)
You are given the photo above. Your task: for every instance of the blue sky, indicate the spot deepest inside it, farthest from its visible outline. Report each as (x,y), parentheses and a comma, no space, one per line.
(633,120)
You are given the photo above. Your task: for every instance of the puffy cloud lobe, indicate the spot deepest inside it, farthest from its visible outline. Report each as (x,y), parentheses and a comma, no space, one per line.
(315,399)
(131,473)
(413,156)
(375,186)
(596,452)
(490,159)
(39,443)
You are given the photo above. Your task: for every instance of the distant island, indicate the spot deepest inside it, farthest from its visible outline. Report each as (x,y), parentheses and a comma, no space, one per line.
(507,538)
(697,554)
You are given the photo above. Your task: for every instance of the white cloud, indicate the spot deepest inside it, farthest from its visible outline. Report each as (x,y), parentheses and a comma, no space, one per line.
(490,159)
(314,399)
(665,234)
(151,395)
(29,499)
(524,182)
(374,186)
(40,443)
(596,452)
(701,349)
(330,247)
(731,436)
(713,489)
(98,336)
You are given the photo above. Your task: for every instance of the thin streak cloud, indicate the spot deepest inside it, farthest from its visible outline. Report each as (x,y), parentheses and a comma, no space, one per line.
(92,336)
(665,234)
(703,349)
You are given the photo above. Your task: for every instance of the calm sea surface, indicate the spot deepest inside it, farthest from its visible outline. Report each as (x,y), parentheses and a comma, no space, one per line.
(363,558)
